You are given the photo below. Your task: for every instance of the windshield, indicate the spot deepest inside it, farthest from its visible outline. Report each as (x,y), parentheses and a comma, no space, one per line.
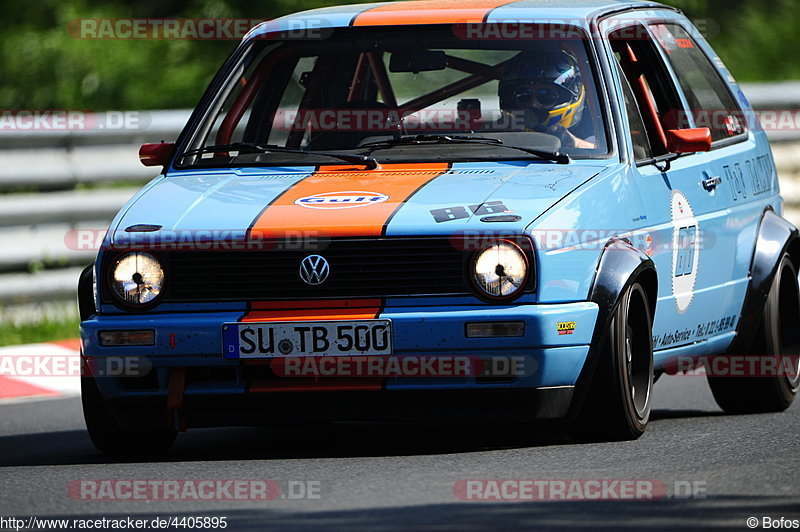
(368,91)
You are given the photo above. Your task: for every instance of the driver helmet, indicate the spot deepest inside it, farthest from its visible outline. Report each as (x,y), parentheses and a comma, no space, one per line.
(545,87)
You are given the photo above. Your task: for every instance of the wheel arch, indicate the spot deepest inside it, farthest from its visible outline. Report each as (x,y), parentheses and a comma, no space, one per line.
(86,302)
(775,236)
(620,265)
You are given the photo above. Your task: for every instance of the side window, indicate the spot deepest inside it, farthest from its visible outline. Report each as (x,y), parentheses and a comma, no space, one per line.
(650,84)
(289,105)
(711,103)
(641,144)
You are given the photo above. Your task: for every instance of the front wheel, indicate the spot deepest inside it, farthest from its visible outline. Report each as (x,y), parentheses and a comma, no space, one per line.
(776,345)
(617,406)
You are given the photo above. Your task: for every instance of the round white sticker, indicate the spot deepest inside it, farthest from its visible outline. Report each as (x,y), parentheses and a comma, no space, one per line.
(685,250)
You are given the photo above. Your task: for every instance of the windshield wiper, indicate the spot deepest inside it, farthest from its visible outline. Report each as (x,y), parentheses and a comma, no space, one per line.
(251,147)
(421,140)
(406,140)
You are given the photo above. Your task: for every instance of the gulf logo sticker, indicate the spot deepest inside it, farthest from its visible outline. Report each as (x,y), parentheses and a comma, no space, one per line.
(349,199)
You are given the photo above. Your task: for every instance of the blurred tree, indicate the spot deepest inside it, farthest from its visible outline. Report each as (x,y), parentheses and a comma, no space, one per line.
(43,66)
(755,38)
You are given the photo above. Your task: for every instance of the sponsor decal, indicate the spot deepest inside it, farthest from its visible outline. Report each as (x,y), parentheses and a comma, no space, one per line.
(694,333)
(566,327)
(458,212)
(733,126)
(755,177)
(731,122)
(341,200)
(685,251)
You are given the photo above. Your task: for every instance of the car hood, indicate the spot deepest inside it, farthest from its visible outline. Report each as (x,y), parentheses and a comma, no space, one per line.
(407,199)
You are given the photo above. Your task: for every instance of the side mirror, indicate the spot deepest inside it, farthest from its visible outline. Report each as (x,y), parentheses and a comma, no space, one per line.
(689,140)
(156,154)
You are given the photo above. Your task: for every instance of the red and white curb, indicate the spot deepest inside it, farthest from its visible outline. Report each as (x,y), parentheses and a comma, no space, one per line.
(33,371)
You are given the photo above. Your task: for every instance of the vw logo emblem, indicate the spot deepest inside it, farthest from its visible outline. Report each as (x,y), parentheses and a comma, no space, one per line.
(314,270)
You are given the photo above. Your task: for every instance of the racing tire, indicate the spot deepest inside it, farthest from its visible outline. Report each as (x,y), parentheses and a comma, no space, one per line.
(106,434)
(778,337)
(618,403)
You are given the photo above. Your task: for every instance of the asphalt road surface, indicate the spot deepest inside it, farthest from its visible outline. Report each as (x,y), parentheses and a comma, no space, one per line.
(717,470)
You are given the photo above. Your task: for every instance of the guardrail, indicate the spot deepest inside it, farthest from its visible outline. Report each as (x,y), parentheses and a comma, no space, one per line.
(55,181)
(99,155)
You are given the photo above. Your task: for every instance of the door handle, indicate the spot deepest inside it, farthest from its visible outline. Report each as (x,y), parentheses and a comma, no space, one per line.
(711,183)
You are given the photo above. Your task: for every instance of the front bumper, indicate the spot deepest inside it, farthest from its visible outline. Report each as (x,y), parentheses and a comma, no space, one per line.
(218,391)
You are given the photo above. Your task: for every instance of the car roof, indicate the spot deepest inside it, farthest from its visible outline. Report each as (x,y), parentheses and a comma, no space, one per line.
(577,12)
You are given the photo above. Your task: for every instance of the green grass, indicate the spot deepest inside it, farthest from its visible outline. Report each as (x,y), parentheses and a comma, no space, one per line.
(45,331)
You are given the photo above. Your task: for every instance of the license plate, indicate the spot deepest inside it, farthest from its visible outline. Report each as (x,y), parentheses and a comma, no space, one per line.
(316,338)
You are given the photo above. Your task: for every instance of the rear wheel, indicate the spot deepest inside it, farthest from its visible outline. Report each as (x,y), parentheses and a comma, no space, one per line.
(106,434)
(617,406)
(777,343)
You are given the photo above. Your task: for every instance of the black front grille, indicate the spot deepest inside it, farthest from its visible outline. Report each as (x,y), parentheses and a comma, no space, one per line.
(386,267)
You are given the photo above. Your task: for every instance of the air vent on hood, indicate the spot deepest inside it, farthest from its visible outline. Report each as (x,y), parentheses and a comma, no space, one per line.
(142,228)
(502,218)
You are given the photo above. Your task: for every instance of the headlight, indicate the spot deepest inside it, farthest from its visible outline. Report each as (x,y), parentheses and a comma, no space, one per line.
(500,270)
(137,278)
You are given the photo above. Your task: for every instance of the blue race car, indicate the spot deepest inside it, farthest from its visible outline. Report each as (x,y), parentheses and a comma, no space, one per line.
(506,210)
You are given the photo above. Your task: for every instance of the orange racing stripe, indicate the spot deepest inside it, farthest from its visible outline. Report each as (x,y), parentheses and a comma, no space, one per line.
(337,309)
(284,216)
(428,12)
(397,181)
